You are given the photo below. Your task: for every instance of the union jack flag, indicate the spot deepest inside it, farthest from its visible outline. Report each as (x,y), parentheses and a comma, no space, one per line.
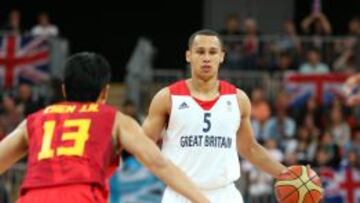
(23,58)
(324,87)
(342,186)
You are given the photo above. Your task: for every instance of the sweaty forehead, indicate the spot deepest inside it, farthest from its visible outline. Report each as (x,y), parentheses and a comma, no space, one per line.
(205,41)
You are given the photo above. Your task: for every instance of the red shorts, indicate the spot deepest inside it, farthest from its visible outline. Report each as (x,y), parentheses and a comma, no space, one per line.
(80,193)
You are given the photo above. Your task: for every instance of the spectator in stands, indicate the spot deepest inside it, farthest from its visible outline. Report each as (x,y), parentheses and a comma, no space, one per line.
(309,124)
(307,137)
(26,103)
(354,145)
(304,148)
(281,127)
(284,62)
(354,26)
(339,128)
(345,62)
(322,159)
(10,117)
(260,113)
(231,35)
(316,23)
(13,26)
(232,26)
(311,108)
(354,31)
(313,65)
(353,160)
(289,40)
(44,27)
(332,150)
(350,89)
(252,45)
(290,159)
(349,49)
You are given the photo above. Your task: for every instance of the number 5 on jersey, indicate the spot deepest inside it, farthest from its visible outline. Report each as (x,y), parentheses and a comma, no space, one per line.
(207,122)
(79,137)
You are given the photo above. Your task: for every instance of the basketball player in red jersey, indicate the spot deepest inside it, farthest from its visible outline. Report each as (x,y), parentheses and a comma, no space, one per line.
(207,122)
(70,144)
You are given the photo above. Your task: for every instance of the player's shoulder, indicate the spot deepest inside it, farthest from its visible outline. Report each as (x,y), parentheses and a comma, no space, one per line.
(162,94)
(244,101)
(178,88)
(161,102)
(108,107)
(227,88)
(241,94)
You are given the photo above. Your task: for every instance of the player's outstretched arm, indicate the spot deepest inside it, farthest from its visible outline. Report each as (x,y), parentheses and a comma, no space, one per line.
(133,139)
(247,144)
(158,114)
(13,147)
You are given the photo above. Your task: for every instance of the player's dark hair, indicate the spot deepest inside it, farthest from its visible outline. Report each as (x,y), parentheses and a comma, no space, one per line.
(206,32)
(86,74)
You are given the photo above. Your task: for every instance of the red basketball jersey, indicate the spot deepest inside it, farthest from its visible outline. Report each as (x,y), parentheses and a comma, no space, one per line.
(69,143)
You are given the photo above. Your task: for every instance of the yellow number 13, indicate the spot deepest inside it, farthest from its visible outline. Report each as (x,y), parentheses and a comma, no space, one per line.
(79,138)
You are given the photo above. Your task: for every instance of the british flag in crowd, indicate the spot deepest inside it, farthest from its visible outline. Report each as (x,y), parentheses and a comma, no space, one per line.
(23,58)
(324,87)
(342,186)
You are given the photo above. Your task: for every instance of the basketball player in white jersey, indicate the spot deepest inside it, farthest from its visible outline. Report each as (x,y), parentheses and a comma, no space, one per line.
(206,122)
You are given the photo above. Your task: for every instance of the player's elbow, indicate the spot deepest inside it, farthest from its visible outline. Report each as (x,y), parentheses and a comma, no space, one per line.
(247,150)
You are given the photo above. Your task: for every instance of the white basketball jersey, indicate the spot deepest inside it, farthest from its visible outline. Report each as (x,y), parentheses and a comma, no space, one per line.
(201,136)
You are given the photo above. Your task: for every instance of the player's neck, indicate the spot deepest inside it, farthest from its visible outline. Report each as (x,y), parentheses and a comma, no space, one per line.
(204,89)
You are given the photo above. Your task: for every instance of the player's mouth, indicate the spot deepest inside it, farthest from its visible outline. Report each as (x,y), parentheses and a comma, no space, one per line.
(206,68)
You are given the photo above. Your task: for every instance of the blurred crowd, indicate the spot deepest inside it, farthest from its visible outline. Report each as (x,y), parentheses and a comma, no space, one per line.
(43,27)
(324,136)
(308,48)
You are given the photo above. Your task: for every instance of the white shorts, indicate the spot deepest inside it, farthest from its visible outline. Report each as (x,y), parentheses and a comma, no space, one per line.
(227,194)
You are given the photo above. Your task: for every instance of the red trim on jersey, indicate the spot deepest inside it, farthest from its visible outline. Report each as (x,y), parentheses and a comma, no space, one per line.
(206,105)
(180,88)
(226,88)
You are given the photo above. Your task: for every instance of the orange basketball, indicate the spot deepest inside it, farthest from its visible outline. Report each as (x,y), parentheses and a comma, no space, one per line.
(300,184)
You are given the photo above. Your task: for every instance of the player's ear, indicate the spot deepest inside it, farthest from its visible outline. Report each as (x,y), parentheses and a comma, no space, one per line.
(63,90)
(187,56)
(222,56)
(104,94)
